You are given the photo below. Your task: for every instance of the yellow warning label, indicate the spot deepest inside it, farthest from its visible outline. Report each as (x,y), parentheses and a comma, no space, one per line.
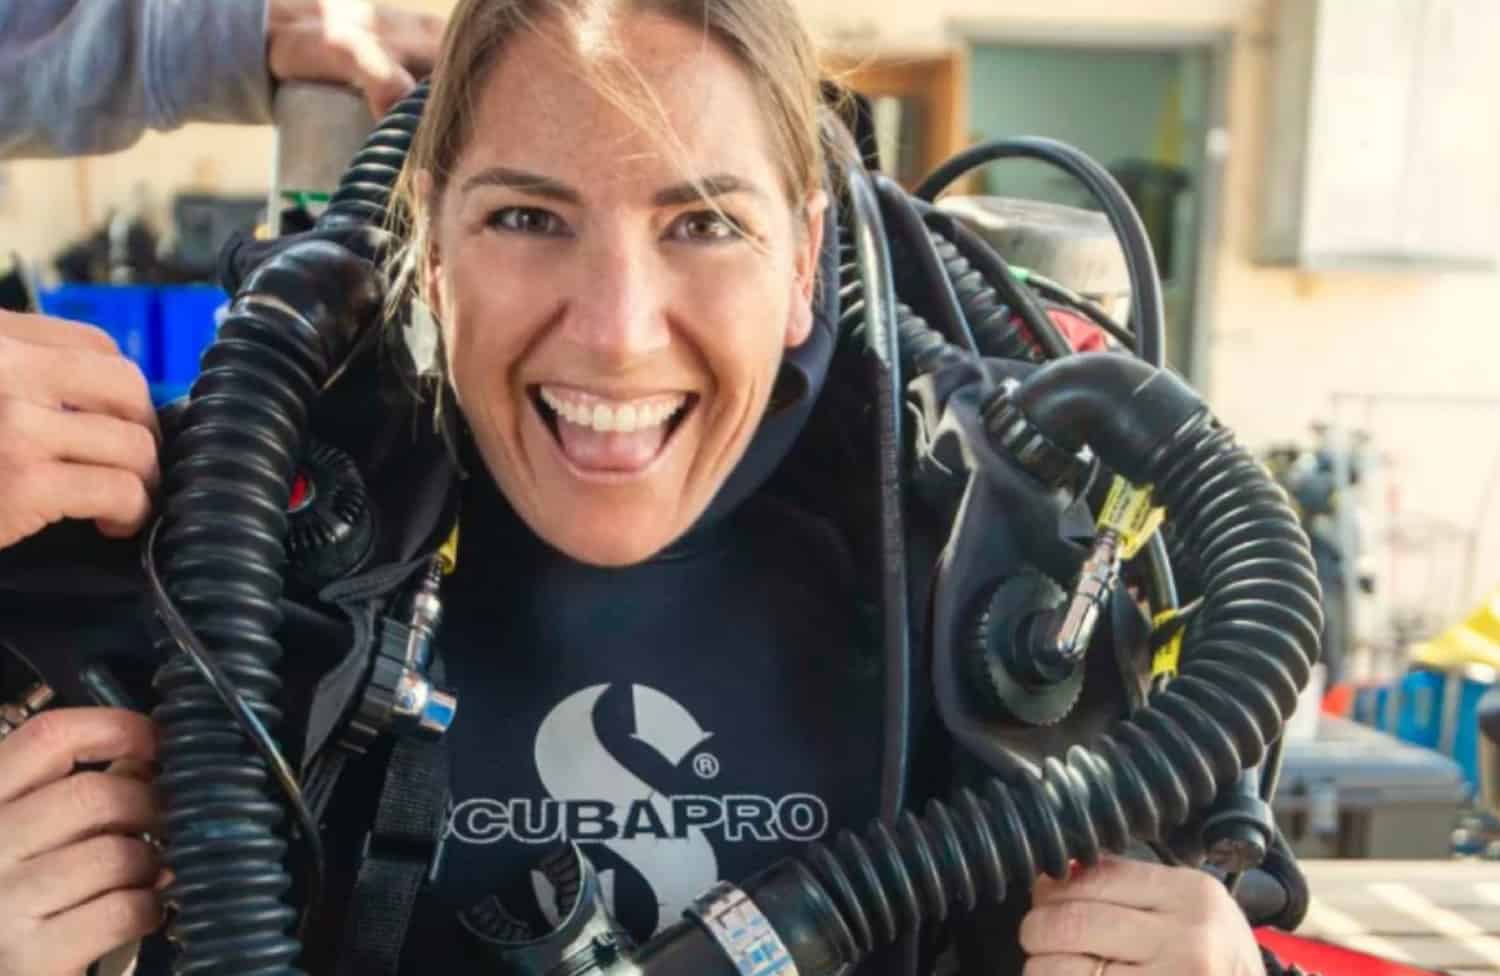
(448,554)
(1129,513)
(1169,655)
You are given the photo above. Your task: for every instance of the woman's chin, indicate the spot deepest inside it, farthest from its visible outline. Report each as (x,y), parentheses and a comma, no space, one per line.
(609,546)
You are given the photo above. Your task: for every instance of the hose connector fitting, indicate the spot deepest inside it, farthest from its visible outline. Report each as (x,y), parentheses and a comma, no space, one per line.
(1012,431)
(399,697)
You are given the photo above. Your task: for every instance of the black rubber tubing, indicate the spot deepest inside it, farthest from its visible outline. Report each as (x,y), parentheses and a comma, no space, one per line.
(1244,666)
(227,482)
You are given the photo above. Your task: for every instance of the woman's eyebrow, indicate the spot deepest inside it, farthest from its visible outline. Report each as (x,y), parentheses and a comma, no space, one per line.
(516,179)
(715,185)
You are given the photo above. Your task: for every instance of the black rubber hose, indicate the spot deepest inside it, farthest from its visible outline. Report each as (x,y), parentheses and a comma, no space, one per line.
(364,192)
(926,267)
(228,479)
(882,355)
(996,331)
(1240,677)
(999,276)
(1147,319)
(922,348)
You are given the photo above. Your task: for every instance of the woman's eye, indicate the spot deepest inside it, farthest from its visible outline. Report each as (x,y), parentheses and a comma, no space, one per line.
(704,225)
(527,220)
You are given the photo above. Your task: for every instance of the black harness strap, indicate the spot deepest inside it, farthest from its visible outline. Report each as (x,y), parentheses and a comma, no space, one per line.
(402,852)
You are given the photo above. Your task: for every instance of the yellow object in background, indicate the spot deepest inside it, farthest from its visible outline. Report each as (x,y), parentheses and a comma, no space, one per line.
(1473,640)
(1486,620)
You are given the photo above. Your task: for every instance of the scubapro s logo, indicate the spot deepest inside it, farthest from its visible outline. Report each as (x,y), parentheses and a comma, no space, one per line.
(574,765)
(595,799)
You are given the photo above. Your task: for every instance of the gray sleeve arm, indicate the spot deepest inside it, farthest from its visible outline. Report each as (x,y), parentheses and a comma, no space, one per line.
(90,76)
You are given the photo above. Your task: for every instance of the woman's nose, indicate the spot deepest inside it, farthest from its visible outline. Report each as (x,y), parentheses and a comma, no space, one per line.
(618,311)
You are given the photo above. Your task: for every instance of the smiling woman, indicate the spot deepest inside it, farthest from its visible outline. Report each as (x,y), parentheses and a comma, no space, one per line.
(617,218)
(679,615)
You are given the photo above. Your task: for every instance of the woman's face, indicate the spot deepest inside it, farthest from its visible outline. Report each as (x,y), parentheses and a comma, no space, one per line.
(611,340)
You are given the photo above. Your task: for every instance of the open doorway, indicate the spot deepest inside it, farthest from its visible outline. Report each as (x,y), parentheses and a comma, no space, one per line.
(1151,109)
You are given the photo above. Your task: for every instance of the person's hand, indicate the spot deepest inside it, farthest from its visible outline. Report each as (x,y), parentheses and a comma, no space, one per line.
(78,435)
(1132,918)
(380,50)
(76,879)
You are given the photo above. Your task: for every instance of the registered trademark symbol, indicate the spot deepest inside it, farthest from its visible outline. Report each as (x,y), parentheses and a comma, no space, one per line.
(706,765)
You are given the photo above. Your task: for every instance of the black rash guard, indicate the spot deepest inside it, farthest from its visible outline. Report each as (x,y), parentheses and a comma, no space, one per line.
(689,720)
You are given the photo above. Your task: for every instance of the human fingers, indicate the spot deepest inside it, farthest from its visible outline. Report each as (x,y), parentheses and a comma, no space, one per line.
(76,938)
(1130,883)
(1196,929)
(1070,965)
(76,377)
(30,433)
(414,38)
(44,330)
(73,809)
(134,768)
(380,75)
(1094,928)
(39,494)
(340,44)
(49,746)
(69,876)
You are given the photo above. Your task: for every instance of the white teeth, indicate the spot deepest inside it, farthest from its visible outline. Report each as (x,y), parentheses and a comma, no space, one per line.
(625,418)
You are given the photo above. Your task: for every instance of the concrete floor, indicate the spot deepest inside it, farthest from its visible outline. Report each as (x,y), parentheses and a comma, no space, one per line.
(1440,915)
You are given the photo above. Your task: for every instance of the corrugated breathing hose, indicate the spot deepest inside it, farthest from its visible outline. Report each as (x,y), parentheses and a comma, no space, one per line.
(228,477)
(1242,671)
(996,329)
(923,348)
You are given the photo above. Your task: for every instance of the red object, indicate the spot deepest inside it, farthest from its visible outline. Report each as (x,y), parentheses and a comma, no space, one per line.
(1327,959)
(301,494)
(1339,700)
(1082,335)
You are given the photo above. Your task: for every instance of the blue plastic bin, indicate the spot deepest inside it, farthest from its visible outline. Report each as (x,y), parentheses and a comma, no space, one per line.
(1439,710)
(187,323)
(126,312)
(1470,688)
(1367,703)
(1420,716)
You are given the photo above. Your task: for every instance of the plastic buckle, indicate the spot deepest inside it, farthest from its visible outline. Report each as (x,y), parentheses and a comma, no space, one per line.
(426,852)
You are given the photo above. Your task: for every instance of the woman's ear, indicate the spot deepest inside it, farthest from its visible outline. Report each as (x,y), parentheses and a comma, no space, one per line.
(809,247)
(429,265)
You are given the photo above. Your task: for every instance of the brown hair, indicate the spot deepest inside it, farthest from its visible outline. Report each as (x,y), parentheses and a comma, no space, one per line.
(766,37)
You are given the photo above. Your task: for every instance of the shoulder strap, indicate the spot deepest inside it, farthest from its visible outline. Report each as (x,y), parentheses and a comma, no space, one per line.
(402,852)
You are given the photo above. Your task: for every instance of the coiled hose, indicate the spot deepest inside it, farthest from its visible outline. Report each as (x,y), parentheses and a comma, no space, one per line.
(923,349)
(227,482)
(1242,670)
(996,330)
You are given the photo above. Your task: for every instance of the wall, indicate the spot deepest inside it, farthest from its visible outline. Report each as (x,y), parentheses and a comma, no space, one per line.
(1004,102)
(1281,342)
(1157,114)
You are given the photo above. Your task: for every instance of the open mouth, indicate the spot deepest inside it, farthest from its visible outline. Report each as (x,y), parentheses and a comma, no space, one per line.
(602,436)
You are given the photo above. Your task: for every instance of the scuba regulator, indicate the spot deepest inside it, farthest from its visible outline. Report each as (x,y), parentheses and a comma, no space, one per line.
(1085,482)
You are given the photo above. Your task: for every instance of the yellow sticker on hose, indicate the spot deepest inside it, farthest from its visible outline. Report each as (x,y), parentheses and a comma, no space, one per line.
(1129,513)
(448,553)
(1165,662)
